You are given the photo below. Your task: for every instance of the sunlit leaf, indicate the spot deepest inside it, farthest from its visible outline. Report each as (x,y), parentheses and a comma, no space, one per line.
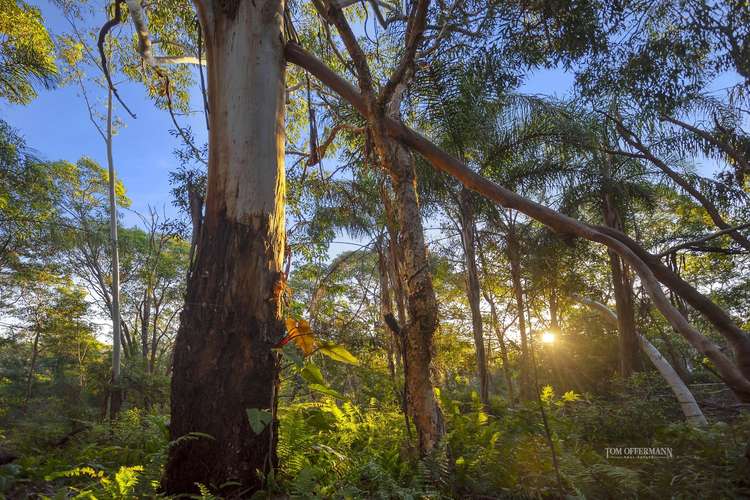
(338,353)
(326,390)
(312,374)
(300,333)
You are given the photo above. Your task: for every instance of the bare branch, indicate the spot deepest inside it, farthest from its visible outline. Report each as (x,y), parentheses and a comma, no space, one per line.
(144,41)
(117,19)
(414,31)
(698,241)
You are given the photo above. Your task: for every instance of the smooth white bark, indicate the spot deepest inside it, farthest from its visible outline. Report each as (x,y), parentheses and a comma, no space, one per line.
(689,406)
(116,335)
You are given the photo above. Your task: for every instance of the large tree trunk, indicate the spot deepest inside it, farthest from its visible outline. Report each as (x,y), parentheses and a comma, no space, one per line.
(223,358)
(420,302)
(473,290)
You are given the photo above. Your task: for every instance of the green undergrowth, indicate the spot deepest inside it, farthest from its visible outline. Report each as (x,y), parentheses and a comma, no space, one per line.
(330,449)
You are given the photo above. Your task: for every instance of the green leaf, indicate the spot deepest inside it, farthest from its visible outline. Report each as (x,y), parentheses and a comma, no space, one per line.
(292,354)
(327,391)
(259,419)
(338,353)
(312,374)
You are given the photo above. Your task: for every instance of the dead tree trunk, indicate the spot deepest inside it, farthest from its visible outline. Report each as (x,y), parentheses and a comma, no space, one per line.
(223,358)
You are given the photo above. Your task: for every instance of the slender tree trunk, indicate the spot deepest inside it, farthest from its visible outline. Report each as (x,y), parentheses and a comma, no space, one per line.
(473,290)
(503,348)
(115,398)
(421,303)
(499,332)
(623,289)
(223,361)
(32,366)
(392,330)
(625,314)
(145,322)
(554,315)
(526,391)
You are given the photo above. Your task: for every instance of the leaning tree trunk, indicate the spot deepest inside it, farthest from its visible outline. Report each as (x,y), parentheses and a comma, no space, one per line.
(690,408)
(223,358)
(468,237)
(693,414)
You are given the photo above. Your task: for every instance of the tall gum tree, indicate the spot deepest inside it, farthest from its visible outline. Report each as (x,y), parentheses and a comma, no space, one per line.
(223,358)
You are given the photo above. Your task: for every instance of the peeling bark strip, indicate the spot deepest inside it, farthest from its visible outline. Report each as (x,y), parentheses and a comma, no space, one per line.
(223,358)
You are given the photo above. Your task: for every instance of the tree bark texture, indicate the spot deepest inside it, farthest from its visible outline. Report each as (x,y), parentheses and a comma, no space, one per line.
(223,358)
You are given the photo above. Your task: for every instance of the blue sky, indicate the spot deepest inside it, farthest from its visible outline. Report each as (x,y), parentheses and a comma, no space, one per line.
(56,125)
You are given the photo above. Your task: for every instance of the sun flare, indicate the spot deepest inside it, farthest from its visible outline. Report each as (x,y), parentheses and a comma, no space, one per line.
(548,337)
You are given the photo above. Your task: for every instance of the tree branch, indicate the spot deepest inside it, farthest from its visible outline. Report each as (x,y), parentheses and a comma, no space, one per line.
(725,147)
(702,239)
(414,31)
(117,19)
(633,140)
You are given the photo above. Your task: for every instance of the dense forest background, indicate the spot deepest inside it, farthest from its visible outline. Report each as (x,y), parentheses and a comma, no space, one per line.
(328,304)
